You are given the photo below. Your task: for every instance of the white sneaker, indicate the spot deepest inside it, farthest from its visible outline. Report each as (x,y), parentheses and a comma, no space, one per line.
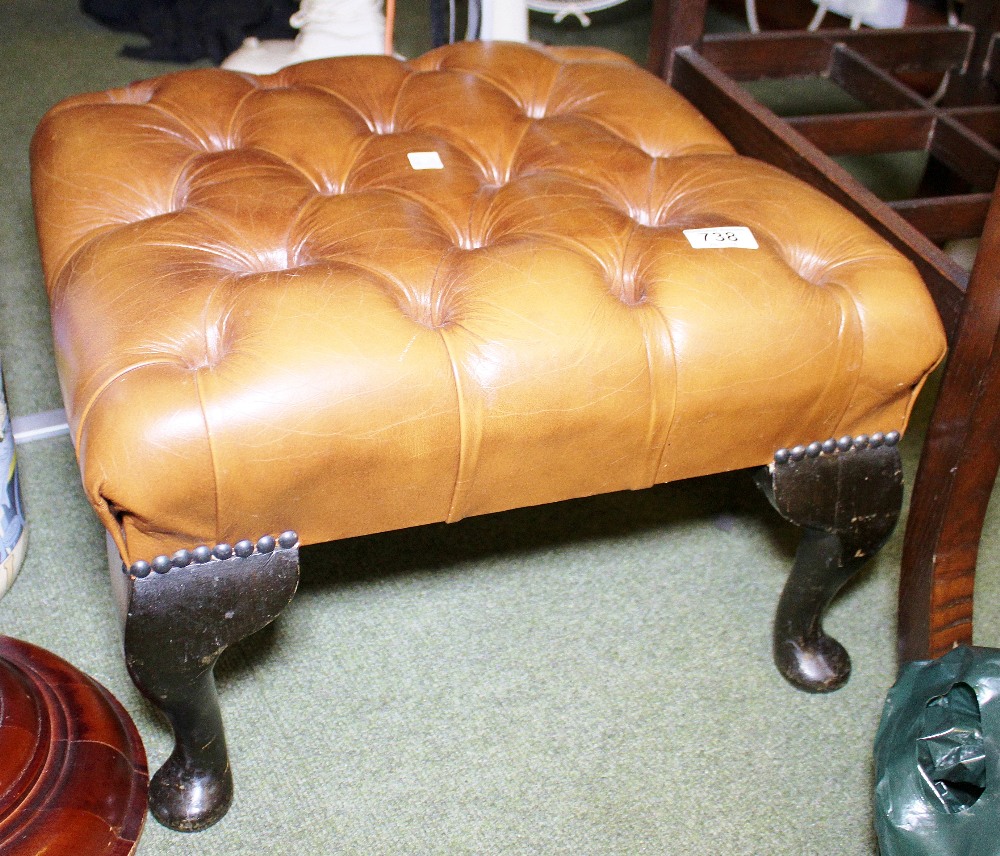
(326,28)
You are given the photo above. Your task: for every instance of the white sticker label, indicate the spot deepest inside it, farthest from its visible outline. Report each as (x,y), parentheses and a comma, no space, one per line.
(721,236)
(425,160)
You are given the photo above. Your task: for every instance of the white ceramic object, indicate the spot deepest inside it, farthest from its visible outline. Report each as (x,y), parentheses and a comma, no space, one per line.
(326,28)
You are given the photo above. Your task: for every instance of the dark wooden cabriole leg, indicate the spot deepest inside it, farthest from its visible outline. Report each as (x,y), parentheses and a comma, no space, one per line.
(676,23)
(959,461)
(181,613)
(846,496)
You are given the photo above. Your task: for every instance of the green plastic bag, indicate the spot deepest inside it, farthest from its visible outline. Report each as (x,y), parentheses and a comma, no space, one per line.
(937,767)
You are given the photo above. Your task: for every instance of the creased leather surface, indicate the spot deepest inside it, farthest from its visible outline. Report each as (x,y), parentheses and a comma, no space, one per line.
(265,318)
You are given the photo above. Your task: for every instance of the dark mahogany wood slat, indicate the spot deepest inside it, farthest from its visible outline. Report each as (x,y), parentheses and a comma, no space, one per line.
(984,16)
(983,120)
(757,132)
(957,472)
(865,133)
(943,218)
(900,109)
(965,153)
(991,68)
(73,776)
(773,55)
(915,49)
(797,53)
(858,76)
(674,25)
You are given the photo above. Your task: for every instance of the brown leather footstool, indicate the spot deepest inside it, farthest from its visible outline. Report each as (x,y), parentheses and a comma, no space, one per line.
(365,294)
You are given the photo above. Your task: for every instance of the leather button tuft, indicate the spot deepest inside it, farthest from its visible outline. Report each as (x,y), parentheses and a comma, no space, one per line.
(137,93)
(216,346)
(196,349)
(629,288)
(220,144)
(643,217)
(469,243)
(255,261)
(808,264)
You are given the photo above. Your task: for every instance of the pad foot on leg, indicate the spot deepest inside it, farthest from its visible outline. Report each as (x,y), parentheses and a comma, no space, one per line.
(181,613)
(845,495)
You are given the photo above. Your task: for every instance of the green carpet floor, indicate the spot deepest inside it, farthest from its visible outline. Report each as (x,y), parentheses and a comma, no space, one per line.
(592,677)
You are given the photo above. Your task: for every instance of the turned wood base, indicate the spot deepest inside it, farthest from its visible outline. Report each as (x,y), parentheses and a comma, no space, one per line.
(73,777)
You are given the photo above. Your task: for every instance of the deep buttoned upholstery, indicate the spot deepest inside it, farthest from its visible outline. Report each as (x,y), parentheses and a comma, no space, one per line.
(266,318)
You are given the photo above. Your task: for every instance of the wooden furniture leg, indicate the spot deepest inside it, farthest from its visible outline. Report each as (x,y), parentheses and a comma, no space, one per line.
(958,468)
(181,614)
(674,25)
(846,496)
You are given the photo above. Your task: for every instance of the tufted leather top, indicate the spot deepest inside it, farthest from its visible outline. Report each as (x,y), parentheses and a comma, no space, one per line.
(266,318)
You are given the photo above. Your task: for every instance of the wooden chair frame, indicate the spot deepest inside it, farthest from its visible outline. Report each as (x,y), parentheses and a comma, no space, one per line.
(960,133)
